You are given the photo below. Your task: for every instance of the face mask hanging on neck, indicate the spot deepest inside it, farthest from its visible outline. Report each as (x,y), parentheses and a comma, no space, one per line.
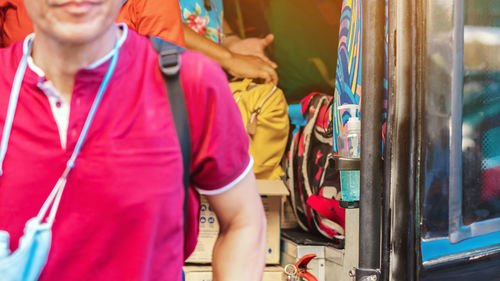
(27,262)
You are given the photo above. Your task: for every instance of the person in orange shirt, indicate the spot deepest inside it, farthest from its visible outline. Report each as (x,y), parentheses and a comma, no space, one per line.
(147,17)
(15,23)
(140,15)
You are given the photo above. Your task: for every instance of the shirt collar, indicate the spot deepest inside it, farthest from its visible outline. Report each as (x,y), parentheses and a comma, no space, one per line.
(97,63)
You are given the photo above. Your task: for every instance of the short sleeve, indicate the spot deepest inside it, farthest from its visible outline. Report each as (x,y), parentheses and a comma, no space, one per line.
(160,18)
(220,156)
(127,15)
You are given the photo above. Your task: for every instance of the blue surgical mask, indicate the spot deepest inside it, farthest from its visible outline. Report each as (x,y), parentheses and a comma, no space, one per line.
(27,262)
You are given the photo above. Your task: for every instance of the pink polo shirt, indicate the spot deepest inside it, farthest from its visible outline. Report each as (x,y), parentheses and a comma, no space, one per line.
(121,214)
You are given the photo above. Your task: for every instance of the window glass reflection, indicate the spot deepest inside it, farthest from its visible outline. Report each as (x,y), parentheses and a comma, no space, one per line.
(481,111)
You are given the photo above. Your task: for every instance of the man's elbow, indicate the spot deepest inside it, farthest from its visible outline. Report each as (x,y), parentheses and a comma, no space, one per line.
(257,234)
(253,223)
(256,222)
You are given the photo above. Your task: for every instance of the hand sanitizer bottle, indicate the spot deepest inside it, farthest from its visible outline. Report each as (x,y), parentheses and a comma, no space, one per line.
(349,147)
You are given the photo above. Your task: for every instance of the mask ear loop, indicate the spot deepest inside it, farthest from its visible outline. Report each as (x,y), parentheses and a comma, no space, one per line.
(14,96)
(53,199)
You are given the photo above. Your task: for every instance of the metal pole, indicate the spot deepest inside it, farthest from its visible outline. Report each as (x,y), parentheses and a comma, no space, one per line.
(373,55)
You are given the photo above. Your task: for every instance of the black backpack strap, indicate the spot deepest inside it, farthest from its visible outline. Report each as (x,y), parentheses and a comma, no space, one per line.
(170,64)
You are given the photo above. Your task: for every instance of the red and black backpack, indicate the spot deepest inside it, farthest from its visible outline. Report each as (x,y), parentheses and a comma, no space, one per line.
(313,183)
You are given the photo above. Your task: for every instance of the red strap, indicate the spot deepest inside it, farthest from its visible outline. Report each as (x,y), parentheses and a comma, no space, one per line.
(328,208)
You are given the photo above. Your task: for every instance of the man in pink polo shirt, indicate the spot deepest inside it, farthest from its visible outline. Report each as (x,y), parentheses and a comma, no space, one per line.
(120,216)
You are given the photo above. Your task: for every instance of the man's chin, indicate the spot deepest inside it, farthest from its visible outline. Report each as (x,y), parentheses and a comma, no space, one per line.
(78,33)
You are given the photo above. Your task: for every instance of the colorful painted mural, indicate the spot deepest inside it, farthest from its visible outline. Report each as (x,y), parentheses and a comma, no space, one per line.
(348,74)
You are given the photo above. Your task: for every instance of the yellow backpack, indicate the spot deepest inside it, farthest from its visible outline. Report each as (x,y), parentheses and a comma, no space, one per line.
(265,113)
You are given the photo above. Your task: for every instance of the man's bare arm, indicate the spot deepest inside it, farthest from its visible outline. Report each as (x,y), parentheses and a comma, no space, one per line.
(239,253)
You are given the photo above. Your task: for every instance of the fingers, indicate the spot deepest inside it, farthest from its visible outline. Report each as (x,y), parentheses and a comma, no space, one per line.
(252,67)
(267,71)
(274,77)
(269,75)
(268,61)
(268,40)
(266,74)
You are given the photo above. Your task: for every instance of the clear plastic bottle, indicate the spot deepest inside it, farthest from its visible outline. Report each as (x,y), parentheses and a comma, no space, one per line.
(349,146)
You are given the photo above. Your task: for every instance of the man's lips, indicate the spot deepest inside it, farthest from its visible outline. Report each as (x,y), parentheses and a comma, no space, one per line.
(76,8)
(72,2)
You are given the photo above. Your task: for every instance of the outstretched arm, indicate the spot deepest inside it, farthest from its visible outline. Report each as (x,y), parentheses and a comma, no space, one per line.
(238,65)
(248,46)
(239,253)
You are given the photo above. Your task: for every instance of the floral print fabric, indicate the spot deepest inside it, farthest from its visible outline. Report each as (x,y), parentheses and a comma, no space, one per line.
(205,17)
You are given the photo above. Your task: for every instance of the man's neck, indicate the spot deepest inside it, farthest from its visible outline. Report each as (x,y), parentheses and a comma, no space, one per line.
(61,61)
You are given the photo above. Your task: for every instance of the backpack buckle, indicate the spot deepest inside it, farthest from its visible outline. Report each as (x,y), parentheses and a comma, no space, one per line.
(169,62)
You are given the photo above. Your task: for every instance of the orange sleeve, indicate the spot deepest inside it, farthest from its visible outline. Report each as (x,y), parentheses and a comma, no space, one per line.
(160,18)
(127,15)
(16,22)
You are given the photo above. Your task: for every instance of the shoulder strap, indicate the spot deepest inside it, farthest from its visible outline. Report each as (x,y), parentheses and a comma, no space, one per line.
(170,64)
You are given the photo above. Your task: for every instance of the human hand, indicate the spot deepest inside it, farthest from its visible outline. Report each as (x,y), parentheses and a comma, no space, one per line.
(250,46)
(248,66)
